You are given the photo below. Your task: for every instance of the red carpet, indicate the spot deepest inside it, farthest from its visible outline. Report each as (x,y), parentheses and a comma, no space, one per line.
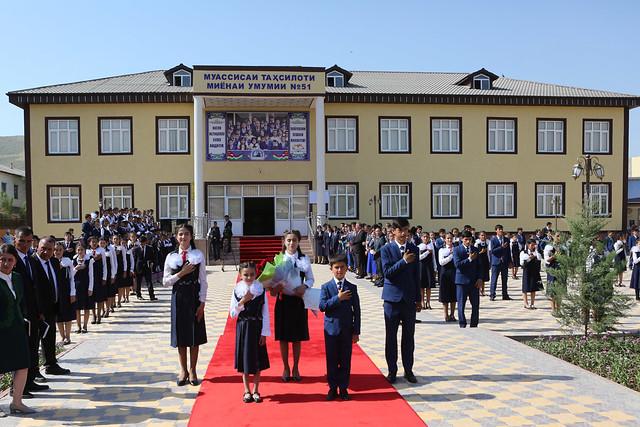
(259,248)
(374,402)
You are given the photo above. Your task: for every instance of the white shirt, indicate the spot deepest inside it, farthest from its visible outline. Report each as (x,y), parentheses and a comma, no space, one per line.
(68,264)
(103,260)
(524,257)
(487,243)
(7,279)
(53,274)
(256,290)
(548,249)
(113,257)
(425,250)
(302,265)
(635,254)
(90,273)
(618,246)
(174,260)
(445,255)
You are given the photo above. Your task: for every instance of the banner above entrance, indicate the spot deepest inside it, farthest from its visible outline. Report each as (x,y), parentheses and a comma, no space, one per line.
(282,81)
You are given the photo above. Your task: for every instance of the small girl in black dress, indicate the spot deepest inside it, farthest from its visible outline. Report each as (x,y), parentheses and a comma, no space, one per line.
(427,272)
(66,303)
(83,279)
(515,255)
(483,256)
(447,277)
(249,303)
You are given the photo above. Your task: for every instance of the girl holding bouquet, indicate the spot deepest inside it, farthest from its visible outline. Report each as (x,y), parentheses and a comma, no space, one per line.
(291,321)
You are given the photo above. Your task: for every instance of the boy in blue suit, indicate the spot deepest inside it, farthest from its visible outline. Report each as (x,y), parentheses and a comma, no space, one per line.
(341,306)
(402,298)
(468,279)
(500,257)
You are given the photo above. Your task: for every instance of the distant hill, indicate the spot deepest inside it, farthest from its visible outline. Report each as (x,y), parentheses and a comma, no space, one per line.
(12,150)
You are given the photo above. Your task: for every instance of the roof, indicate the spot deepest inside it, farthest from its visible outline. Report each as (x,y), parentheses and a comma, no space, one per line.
(12,171)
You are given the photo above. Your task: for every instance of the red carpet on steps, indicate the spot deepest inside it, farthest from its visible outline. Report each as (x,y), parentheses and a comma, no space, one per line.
(259,248)
(374,402)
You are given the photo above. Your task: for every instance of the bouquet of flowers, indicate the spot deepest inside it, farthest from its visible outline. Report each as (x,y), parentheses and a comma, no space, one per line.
(282,270)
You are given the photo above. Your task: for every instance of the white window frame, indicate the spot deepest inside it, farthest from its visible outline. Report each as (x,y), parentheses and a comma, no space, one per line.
(61,195)
(61,134)
(180,133)
(499,133)
(346,192)
(392,198)
(446,135)
(335,79)
(452,193)
(342,134)
(398,126)
(116,129)
(501,200)
(116,197)
(184,76)
(597,132)
(485,82)
(550,136)
(599,198)
(546,193)
(178,194)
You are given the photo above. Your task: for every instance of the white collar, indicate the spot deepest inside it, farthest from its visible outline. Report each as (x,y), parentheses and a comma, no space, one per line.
(400,246)
(5,277)
(336,281)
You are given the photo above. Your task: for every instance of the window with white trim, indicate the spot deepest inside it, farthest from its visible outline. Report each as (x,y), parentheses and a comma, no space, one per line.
(396,200)
(550,136)
(445,200)
(335,79)
(445,135)
(173,135)
(343,199)
(549,200)
(394,135)
(117,196)
(597,136)
(341,134)
(64,204)
(182,78)
(501,201)
(502,135)
(63,136)
(173,201)
(481,82)
(115,136)
(599,196)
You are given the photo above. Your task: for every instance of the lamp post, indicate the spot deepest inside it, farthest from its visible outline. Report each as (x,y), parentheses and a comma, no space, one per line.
(373,201)
(555,202)
(588,165)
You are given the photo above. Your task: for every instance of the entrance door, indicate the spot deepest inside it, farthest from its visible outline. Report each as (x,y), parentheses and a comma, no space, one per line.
(259,217)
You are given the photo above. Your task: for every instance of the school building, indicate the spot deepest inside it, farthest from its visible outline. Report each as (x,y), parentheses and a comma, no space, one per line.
(277,148)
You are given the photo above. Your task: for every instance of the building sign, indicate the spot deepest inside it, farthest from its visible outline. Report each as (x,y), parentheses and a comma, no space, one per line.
(257,136)
(286,81)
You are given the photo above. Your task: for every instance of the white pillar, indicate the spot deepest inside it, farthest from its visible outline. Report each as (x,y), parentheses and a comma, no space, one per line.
(320,168)
(198,158)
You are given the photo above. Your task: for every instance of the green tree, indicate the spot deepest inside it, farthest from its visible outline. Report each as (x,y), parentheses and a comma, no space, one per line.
(584,285)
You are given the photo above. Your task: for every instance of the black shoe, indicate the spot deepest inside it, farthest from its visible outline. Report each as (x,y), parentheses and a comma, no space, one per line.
(418,321)
(36,387)
(344,394)
(40,377)
(507,298)
(182,382)
(492,298)
(391,378)
(57,370)
(333,393)
(410,377)
(153,299)
(27,395)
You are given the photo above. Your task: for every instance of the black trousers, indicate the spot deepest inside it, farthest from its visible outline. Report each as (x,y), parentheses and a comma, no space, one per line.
(215,249)
(396,313)
(361,266)
(49,341)
(34,345)
(503,271)
(144,274)
(338,352)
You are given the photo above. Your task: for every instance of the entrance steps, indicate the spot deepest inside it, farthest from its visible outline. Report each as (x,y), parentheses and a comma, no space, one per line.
(250,248)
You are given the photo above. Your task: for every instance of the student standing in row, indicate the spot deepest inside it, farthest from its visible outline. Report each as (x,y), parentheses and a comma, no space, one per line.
(500,257)
(530,260)
(468,280)
(447,277)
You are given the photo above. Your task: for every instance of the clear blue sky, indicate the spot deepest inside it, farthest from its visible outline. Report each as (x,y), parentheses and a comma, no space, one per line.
(584,43)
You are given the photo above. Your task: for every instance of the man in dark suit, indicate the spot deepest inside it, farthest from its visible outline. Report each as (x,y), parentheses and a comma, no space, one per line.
(402,298)
(227,233)
(341,306)
(357,248)
(500,257)
(214,240)
(468,279)
(144,256)
(87,229)
(47,274)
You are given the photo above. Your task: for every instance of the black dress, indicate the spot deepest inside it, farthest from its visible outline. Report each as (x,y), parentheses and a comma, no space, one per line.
(447,282)
(81,278)
(186,331)
(15,352)
(112,288)
(100,289)
(531,280)
(250,356)
(291,319)
(66,309)
(485,265)
(515,253)
(427,272)
(121,281)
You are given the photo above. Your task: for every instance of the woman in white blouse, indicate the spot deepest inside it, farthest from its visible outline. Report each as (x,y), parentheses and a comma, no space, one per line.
(447,275)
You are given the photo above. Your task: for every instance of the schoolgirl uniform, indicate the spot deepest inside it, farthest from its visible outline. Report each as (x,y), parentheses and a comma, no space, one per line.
(66,289)
(531,280)
(100,276)
(253,322)
(83,281)
(291,317)
(550,252)
(635,275)
(119,266)
(187,294)
(484,260)
(447,276)
(620,261)
(515,252)
(427,272)
(110,259)
(371,262)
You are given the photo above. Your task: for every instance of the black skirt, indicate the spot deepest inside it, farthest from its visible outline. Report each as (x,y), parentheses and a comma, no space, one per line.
(291,319)
(186,331)
(66,310)
(250,356)
(427,274)
(83,300)
(448,283)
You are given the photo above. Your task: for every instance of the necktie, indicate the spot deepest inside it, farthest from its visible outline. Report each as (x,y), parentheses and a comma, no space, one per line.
(402,250)
(339,285)
(184,257)
(28,267)
(51,281)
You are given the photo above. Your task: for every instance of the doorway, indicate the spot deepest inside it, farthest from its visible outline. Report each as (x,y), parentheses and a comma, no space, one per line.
(259,217)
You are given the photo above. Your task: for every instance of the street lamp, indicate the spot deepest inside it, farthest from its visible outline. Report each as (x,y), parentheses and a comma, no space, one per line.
(555,203)
(589,165)
(373,201)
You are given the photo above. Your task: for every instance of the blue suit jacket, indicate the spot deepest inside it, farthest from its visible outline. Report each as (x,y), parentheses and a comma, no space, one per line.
(340,315)
(401,279)
(467,271)
(499,255)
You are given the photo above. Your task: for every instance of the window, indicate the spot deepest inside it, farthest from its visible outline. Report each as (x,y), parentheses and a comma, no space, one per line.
(501,135)
(182,78)
(173,201)
(446,200)
(16,192)
(173,135)
(63,136)
(600,199)
(64,203)
(3,187)
(343,200)
(551,136)
(481,82)
(342,134)
(115,135)
(597,136)
(395,200)
(335,79)
(549,199)
(501,200)
(394,135)
(116,196)
(445,135)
